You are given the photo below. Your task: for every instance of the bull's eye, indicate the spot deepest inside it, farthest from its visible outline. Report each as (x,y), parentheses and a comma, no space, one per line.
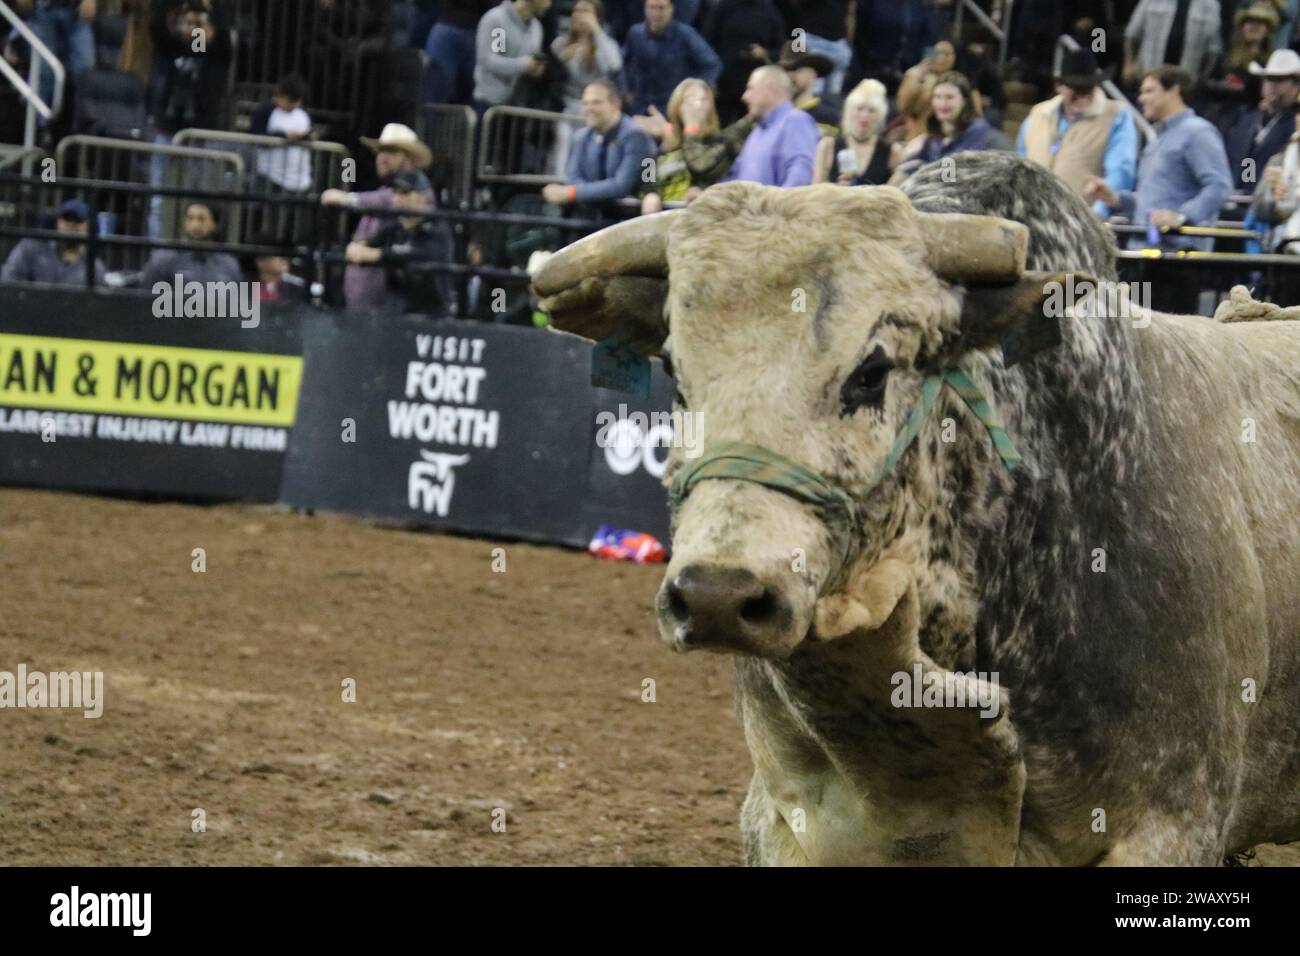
(865,386)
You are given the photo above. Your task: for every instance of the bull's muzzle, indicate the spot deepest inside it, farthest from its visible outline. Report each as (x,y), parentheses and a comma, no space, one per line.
(727,609)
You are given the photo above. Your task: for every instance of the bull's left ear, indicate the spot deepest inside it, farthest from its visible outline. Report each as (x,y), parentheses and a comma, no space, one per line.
(1023,317)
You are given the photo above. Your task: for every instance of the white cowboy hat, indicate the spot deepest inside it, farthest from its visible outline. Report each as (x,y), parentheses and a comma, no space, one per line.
(399,137)
(1282,64)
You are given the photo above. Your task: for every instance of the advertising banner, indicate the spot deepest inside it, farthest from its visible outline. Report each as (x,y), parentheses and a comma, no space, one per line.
(488,429)
(98,394)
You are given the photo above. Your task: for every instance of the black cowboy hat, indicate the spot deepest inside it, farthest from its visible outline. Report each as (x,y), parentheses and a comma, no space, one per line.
(793,60)
(1079,68)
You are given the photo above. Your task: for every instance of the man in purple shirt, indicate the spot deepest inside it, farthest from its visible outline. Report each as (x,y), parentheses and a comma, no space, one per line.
(779,152)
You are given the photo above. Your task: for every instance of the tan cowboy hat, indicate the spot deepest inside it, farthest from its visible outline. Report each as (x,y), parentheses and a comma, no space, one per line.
(1263,12)
(402,138)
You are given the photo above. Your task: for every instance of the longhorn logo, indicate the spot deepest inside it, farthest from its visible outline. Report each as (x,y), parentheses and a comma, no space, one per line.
(431,482)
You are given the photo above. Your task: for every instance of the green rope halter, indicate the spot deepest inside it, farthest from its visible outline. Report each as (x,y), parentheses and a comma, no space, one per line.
(739,461)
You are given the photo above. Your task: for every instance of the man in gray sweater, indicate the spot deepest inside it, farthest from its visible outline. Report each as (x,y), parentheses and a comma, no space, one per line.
(508,45)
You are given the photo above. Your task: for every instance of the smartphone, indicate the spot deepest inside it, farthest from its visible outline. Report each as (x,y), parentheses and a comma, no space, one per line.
(847,160)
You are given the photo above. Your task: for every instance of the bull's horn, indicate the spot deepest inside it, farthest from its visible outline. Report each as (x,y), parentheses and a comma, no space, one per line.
(636,247)
(964,248)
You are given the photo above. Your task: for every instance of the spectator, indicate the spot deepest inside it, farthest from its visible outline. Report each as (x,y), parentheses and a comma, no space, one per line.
(55,261)
(1080,132)
(1183,174)
(1183,33)
(275,284)
(192,56)
(587,53)
(954,126)
(859,155)
(450,49)
(1275,202)
(745,34)
(977,63)
(192,265)
(508,46)
(888,37)
(826,33)
(409,249)
(1252,40)
(917,88)
(1259,134)
(779,152)
(804,69)
(288,167)
(662,52)
(697,153)
(65,27)
(396,150)
(608,156)
(1223,98)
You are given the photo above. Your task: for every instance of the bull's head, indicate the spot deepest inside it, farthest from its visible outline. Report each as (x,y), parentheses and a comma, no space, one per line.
(804,326)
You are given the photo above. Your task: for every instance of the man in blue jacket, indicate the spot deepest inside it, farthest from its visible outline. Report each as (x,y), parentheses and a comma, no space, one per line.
(660,53)
(609,157)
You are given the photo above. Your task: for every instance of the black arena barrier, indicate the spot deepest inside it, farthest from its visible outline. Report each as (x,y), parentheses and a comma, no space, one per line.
(488,429)
(471,427)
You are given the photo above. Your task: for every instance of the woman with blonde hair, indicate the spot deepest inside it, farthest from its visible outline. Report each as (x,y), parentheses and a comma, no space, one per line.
(859,156)
(696,152)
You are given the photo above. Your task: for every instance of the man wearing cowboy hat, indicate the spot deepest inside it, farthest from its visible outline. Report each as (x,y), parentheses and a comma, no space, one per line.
(1259,134)
(397,149)
(804,70)
(1081,132)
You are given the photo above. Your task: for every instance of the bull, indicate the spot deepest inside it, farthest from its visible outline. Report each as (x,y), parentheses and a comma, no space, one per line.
(1087,526)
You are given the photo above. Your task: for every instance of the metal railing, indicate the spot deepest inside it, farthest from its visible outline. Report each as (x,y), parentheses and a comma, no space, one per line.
(326,167)
(15,155)
(1065,43)
(449,130)
(999,32)
(152,165)
(332,45)
(29,88)
(518,145)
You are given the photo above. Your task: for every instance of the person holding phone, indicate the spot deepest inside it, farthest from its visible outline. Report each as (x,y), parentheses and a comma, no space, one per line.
(859,155)
(914,93)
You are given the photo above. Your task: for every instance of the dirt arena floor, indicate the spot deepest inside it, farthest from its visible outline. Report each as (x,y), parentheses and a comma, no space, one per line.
(475,691)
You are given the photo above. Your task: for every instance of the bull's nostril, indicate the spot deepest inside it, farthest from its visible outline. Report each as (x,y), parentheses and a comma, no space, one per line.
(676,603)
(760,609)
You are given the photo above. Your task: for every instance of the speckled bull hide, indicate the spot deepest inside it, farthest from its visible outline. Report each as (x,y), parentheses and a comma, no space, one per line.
(1093,658)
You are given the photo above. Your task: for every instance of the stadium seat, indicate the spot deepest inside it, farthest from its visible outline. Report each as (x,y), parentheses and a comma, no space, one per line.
(110,103)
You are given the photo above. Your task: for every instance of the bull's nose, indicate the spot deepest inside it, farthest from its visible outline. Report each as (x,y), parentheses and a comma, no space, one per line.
(708,606)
